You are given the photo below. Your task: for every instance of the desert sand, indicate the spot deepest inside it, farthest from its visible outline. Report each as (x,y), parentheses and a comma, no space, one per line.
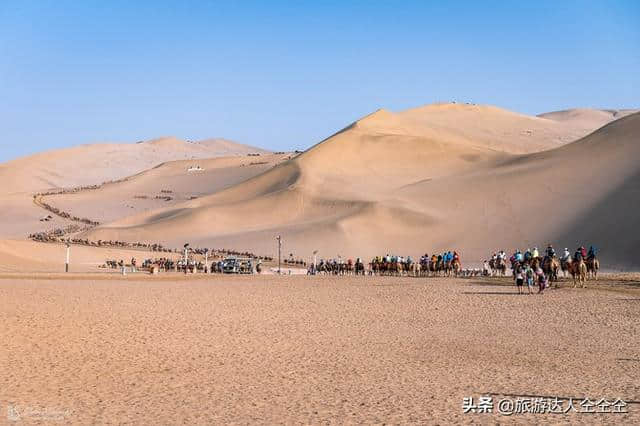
(164,185)
(446,176)
(309,350)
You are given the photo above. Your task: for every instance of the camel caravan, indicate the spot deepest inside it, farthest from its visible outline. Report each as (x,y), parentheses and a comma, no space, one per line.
(338,267)
(442,265)
(581,266)
(445,265)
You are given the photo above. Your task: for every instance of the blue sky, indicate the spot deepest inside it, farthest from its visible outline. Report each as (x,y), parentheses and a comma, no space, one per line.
(283,75)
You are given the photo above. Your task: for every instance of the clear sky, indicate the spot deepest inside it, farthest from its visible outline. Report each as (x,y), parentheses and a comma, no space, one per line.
(283,75)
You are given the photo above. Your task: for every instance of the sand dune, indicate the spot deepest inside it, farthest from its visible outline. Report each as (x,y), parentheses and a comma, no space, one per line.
(88,165)
(162,186)
(586,118)
(97,163)
(409,183)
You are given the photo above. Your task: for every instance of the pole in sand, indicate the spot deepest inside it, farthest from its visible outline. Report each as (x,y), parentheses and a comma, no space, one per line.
(315,252)
(206,259)
(186,258)
(66,265)
(279,238)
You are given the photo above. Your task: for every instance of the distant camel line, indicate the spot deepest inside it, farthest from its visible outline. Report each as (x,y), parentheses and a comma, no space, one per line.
(57,238)
(38,201)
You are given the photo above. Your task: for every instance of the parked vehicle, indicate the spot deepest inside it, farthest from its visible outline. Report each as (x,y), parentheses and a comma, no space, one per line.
(237,265)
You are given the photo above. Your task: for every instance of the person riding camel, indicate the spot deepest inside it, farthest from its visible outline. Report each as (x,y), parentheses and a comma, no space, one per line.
(583,251)
(535,253)
(456,256)
(551,253)
(566,256)
(527,255)
(519,256)
(577,256)
(592,253)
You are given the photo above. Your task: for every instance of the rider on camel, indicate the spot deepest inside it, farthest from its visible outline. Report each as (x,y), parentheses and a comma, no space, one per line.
(551,253)
(519,256)
(566,256)
(584,252)
(527,255)
(578,256)
(535,254)
(593,251)
(456,256)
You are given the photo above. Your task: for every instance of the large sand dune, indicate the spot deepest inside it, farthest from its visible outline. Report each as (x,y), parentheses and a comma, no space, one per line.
(420,181)
(97,163)
(89,165)
(587,119)
(167,184)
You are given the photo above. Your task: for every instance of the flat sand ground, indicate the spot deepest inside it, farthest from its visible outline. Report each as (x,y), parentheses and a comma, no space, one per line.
(308,350)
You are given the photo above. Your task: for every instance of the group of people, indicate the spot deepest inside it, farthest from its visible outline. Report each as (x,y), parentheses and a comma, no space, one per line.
(532,267)
(338,266)
(530,255)
(581,253)
(525,273)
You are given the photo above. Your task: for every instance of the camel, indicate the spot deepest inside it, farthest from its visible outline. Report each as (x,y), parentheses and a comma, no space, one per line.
(433,266)
(456,267)
(416,269)
(565,265)
(498,267)
(579,272)
(593,265)
(550,266)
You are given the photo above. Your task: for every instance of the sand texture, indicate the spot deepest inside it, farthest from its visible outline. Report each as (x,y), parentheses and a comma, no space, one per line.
(310,350)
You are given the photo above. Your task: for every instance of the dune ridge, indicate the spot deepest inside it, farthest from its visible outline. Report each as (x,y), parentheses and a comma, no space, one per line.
(412,181)
(87,165)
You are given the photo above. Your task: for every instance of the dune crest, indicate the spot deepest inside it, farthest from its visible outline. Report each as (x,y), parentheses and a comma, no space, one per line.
(411,182)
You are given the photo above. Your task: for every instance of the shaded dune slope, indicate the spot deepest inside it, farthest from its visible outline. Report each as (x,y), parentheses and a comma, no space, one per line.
(392,183)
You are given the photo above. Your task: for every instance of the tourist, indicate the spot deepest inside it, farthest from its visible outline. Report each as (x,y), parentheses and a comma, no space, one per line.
(519,278)
(542,280)
(530,276)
